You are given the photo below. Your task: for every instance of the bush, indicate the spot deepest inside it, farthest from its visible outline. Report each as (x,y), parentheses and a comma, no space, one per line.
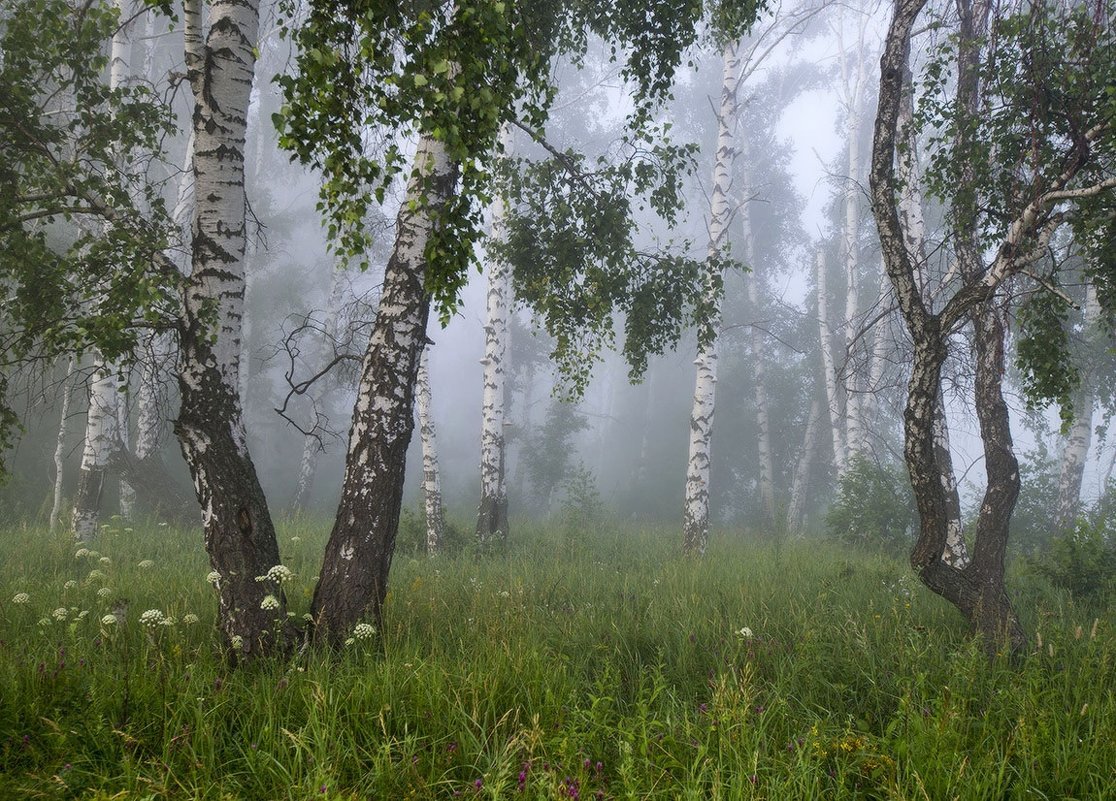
(410,540)
(1082,562)
(874,508)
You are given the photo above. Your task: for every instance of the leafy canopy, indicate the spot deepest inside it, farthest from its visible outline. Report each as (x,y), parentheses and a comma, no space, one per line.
(370,73)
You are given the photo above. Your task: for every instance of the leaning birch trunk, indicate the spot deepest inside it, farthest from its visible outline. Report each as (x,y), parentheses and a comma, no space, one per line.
(1080,436)
(492,515)
(60,444)
(431,482)
(829,371)
(239,534)
(759,367)
(797,503)
(695,520)
(353,581)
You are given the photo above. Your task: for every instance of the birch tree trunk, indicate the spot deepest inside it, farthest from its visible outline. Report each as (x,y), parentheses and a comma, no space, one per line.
(759,366)
(1080,435)
(829,370)
(239,534)
(353,581)
(60,444)
(492,515)
(431,481)
(100,440)
(797,503)
(695,519)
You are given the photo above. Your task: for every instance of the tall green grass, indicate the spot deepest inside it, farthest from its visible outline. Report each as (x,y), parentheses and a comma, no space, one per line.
(579,665)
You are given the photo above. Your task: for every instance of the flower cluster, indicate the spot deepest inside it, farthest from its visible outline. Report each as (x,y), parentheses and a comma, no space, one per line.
(213,578)
(152,618)
(269,602)
(189,618)
(745,633)
(146,564)
(364,631)
(21,598)
(277,573)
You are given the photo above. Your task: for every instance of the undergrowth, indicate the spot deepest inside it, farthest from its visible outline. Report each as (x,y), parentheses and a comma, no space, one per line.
(602,665)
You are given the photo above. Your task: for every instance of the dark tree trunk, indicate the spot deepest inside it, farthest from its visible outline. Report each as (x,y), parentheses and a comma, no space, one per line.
(354,576)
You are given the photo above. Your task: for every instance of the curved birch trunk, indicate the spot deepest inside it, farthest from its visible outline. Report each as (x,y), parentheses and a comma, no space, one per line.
(239,535)
(829,371)
(695,519)
(431,482)
(492,515)
(353,580)
(60,444)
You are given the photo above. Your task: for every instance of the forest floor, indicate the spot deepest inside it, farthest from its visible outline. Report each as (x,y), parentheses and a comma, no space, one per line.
(578,665)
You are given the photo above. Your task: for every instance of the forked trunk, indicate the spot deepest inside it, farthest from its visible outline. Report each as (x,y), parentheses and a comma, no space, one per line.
(354,576)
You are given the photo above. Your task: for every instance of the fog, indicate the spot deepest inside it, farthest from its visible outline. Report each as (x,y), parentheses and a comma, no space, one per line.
(629,439)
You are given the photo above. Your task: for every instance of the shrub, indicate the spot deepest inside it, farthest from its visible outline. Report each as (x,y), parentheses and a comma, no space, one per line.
(874,508)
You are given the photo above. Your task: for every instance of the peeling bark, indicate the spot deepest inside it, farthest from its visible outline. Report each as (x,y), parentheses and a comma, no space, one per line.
(431,481)
(695,520)
(239,534)
(100,440)
(60,444)
(354,576)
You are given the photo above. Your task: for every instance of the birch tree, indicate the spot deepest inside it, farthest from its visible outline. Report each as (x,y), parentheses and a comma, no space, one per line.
(492,516)
(431,479)
(695,518)
(1022,208)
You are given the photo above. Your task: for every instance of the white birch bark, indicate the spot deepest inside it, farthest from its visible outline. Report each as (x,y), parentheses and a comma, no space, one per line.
(431,480)
(829,370)
(797,503)
(492,514)
(695,520)
(100,440)
(759,366)
(1080,435)
(60,444)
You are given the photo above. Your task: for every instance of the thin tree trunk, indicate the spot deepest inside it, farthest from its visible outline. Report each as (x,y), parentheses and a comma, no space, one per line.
(797,504)
(492,514)
(759,362)
(354,576)
(431,481)
(695,520)
(829,370)
(60,444)
(239,534)
(1080,436)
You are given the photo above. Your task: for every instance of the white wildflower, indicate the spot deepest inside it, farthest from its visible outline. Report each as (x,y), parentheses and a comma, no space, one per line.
(505,594)
(280,573)
(213,578)
(69,585)
(364,631)
(168,621)
(269,602)
(44,621)
(21,598)
(296,538)
(83,614)
(104,592)
(146,564)
(128,530)
(95,575)
(745,632)
(108,620)
(81,553)
(104,560)
(349,641)
(237,642)
(309,618)
(152,618)
(61,613)
(189,619)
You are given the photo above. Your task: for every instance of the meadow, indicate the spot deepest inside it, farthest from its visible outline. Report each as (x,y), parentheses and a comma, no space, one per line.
(579,664)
